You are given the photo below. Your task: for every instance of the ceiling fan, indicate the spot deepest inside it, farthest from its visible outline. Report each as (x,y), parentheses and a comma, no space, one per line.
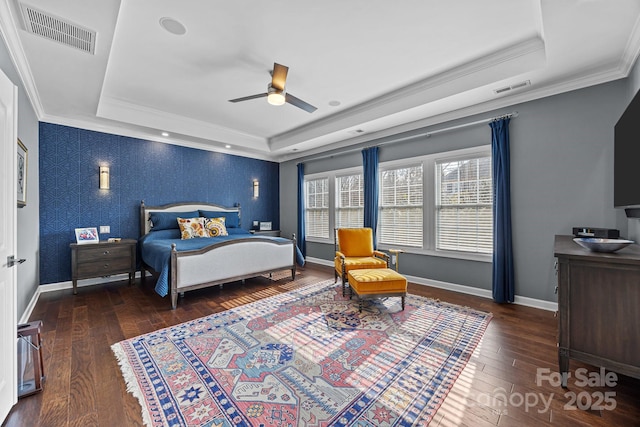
(276,93)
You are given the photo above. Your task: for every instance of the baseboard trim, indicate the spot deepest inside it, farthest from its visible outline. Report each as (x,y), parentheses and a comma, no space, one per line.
(536,303)
(463,289)
(29,308)
(469,290)
(319,261)
(59,286)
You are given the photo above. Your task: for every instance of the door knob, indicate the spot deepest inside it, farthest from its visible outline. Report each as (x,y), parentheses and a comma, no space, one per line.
(11,261)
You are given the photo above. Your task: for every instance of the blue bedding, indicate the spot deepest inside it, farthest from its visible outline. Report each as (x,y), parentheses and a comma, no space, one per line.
(155,249)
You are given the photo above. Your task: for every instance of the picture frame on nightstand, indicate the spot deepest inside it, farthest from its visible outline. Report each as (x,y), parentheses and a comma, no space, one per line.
(87,235)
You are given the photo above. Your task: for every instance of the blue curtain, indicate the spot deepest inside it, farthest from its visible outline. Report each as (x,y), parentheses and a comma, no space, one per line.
(503,277)
(301,235)
(370,166)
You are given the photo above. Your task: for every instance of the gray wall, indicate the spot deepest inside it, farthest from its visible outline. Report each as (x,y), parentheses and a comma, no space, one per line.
(28,216)
(561,177)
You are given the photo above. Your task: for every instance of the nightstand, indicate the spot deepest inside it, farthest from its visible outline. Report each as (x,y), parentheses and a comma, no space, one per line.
(273,233)
(102,259)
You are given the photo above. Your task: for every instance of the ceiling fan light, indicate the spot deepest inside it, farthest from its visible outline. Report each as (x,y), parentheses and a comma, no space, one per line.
(276,98)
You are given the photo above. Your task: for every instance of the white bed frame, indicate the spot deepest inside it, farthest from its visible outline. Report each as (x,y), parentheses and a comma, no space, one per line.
(221,262)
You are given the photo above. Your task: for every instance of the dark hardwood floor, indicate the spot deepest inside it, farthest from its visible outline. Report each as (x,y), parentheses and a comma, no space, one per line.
(502,384)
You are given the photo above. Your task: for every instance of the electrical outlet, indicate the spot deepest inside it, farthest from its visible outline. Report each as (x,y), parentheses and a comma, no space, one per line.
(105,229)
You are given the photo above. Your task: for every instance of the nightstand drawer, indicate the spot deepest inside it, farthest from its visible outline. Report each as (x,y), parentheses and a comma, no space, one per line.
(103,259)
(104,267)
(98,254)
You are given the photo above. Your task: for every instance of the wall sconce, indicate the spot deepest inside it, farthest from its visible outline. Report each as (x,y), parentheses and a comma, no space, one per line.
(104,177)
(256,189)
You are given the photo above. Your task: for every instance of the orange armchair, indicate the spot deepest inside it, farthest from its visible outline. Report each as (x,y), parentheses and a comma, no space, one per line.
(354,250)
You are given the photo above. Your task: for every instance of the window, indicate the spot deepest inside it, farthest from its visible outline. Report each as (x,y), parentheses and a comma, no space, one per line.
(333,199)
(436,204)
(349,201)
(317,208)
(464,205)
(401,195)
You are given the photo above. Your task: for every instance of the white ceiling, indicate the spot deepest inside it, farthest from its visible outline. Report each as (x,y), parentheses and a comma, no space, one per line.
(392,66)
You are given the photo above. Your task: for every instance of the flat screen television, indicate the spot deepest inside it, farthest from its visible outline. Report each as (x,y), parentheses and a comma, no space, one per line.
(626,180)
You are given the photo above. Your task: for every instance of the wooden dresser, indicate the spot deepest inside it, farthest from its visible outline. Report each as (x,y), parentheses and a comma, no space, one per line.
(102,259)
(598,307)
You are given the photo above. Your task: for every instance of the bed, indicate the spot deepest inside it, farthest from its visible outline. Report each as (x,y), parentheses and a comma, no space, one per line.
(187,264)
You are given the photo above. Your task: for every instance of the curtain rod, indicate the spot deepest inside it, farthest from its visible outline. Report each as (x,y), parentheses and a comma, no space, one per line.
(425,134)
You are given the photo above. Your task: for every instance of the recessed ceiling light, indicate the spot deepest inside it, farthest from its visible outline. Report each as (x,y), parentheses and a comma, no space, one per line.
(165,134)
(334,103)
(227,146)
(173,26)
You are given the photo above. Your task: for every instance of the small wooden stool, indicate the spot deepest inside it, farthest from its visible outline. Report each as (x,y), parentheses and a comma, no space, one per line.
(376,283)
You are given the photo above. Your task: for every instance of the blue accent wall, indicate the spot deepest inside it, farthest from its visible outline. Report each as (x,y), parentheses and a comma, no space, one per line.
(155,172)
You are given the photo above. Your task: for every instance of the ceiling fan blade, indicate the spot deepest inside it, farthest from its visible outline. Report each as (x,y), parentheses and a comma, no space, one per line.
(300,103)
(279,78)
(246,98)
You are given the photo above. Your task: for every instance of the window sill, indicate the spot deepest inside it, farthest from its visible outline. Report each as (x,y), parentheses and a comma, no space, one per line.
(319,240)
(443,254)
(467,256)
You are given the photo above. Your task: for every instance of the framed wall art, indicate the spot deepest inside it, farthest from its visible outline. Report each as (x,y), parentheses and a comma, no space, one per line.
(22,175)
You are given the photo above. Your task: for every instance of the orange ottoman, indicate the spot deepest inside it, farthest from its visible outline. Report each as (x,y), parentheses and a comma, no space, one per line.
(376,283)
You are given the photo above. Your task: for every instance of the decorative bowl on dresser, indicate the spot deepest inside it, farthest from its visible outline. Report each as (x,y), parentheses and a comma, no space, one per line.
(102,259)
(602,245)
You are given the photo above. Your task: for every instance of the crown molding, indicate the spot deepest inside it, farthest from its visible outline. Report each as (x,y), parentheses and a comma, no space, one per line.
(574,83)
(124,111)
(503,63)
(9,29)
(116,129)
(631,50)
(570,83)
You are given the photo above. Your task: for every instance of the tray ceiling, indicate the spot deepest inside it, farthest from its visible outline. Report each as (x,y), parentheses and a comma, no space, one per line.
(371,67)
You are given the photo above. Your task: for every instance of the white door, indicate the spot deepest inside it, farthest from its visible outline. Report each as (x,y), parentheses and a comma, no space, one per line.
(8,190)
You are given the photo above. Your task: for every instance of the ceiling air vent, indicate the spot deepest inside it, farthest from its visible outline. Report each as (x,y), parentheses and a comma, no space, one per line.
(57,29)
(512,87)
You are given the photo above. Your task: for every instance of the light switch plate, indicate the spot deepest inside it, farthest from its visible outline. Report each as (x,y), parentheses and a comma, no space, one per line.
(105,229)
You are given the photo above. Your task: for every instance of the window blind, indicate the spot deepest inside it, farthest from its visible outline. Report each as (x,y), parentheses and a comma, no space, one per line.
(401,203)
(349,201)
(464,205)
(317,208)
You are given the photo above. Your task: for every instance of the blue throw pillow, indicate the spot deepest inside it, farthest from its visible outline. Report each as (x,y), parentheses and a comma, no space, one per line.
(231,219)
(169,220)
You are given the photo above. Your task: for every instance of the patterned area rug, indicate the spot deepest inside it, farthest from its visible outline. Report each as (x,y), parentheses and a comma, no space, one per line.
(303,358)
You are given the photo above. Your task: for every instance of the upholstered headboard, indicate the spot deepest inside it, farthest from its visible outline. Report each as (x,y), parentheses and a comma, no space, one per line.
(145,211)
